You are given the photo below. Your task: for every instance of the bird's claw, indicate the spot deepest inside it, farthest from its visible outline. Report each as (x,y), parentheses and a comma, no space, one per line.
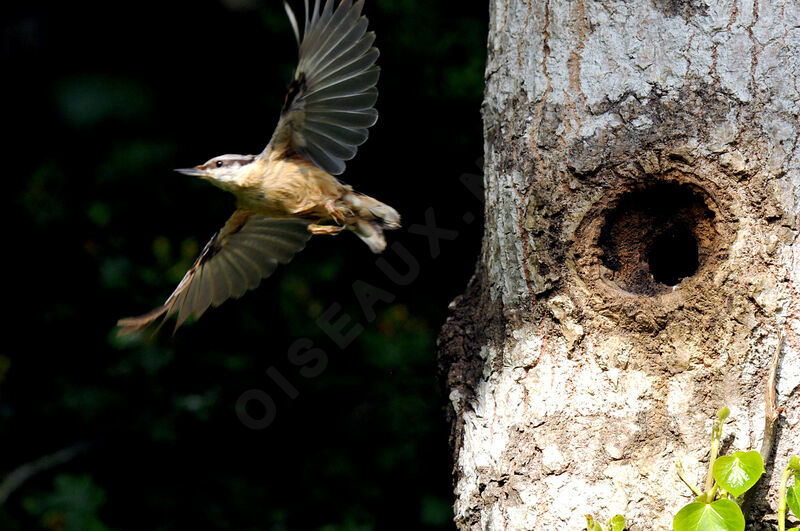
(330,230)
(337,214)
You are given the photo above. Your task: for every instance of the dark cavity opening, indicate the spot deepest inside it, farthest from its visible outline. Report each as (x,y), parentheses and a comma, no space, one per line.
(673,256)
(655,237)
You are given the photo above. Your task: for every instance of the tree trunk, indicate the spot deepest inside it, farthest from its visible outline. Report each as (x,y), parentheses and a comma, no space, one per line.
(639,262)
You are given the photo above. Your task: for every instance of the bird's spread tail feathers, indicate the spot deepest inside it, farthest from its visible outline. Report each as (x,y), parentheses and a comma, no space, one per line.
(372,217)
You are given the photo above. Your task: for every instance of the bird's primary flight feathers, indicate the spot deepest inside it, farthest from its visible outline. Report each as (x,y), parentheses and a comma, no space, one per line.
(330,103)
(247,249)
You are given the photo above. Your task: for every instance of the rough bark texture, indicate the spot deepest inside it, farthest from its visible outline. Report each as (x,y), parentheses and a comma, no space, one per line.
(593,345)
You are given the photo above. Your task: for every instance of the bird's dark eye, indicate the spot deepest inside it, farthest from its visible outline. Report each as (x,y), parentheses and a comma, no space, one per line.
(219,164)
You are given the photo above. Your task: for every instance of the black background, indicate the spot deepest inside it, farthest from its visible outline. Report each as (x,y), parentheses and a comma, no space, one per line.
(99,102)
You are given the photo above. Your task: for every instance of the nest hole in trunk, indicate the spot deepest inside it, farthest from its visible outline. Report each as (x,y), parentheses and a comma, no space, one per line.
(655,237)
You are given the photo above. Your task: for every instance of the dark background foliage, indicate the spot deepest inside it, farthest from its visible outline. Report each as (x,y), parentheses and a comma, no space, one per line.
(99,102)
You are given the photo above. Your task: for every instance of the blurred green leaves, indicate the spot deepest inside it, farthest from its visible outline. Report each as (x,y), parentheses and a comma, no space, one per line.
(42,195)
(399,341)
(448,51)
(72,505)
(99,213)
(91,99)
(435,512)
(136,158)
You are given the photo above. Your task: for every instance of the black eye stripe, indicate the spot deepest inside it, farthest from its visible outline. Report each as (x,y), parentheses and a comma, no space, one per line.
(227,161)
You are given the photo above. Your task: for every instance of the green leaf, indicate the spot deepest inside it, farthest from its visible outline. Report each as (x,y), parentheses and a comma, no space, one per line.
(794,463)
(617,523)
(723,413)
(591,524)
(738,472)
(793,500)
(722,515)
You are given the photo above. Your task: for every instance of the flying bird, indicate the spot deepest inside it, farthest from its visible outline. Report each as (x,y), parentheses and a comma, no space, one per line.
(289,191)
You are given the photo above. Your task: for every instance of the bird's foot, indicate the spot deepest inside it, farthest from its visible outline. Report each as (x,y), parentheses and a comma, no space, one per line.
(337,213)
(330,230)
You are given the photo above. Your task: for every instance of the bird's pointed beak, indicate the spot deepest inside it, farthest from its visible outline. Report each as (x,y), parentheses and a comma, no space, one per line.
(194,172)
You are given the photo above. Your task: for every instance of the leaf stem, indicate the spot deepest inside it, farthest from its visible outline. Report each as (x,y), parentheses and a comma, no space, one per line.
(682,476)
(716,436)
(711,494)
(787,473)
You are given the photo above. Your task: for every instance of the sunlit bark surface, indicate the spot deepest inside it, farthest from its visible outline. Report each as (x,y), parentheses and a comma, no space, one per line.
(639,261)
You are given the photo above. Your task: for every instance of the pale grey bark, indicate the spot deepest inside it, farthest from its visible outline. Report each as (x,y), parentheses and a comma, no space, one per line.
(576,380)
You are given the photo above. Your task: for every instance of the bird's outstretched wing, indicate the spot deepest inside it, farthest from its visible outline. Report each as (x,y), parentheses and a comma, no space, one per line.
(247,249)
(330,102)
